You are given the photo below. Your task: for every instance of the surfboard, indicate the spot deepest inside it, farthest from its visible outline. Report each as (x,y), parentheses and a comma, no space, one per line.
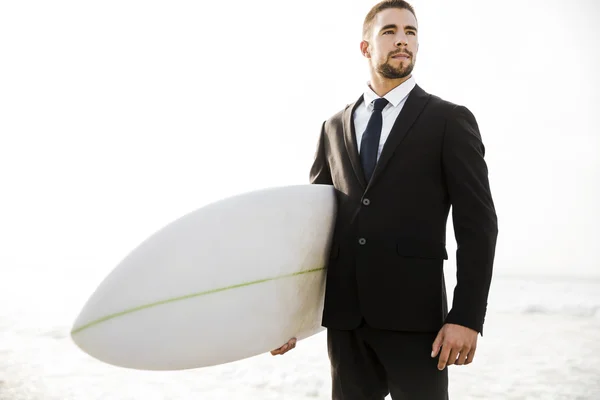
(231,280)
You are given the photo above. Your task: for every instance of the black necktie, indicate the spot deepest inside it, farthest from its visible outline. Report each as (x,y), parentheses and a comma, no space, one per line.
(369,143)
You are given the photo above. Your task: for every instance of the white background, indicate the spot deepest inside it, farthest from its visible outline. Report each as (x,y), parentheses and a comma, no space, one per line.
(117,117)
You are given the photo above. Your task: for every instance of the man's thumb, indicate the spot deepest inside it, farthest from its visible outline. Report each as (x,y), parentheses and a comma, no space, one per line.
(437,343)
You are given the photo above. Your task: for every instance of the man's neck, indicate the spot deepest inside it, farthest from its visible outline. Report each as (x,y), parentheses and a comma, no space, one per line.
(383,86)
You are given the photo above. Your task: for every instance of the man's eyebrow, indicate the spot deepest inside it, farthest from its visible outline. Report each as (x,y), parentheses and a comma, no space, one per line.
(388,26)
(394,26)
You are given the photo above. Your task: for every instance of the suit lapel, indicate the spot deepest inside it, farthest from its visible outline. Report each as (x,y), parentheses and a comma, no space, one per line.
(415,103)
(351,144)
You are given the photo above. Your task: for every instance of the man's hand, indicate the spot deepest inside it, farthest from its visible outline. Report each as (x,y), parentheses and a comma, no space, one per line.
(285,348)
(458,344)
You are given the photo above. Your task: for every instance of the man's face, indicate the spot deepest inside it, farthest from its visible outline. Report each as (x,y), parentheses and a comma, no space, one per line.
(392,44)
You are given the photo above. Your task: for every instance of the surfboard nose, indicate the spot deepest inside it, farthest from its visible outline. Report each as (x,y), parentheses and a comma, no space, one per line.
(228,281)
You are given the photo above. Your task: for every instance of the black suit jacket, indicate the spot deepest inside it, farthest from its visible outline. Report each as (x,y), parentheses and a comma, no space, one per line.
(389,243)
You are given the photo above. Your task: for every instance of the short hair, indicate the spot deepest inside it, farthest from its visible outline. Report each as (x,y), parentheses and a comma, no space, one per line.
(384,5)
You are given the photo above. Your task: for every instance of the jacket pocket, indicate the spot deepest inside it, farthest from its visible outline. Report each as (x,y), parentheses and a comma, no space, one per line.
(421,249)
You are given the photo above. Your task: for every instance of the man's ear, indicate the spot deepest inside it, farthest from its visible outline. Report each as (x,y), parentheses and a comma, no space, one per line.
(364,49)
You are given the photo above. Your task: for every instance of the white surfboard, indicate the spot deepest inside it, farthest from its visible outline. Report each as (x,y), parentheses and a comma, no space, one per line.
(229,281)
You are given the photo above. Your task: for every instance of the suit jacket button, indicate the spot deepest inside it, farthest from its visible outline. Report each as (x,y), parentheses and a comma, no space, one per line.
(366,202)
(362,241)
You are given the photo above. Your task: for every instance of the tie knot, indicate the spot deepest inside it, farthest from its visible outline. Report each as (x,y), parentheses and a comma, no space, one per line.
(379,104)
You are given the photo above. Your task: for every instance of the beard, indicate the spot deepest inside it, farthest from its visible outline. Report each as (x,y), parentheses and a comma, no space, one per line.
(390,72)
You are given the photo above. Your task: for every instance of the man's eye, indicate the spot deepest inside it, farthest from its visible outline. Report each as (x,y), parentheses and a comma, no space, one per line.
(386,32)
(411,33)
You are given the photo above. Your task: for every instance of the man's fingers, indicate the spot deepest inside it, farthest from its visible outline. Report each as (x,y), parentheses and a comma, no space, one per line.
(437,343)
(282,350)
(443,360)
(278,351)
(470,356)
(462,357)
(285,348)
(458,345)
(291,344)
(454,352)
(453,355)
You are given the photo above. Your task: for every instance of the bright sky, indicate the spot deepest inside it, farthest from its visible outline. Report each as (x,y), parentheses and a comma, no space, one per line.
(117,117)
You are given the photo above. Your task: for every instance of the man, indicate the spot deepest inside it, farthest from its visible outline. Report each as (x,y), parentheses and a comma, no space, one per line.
(399,158)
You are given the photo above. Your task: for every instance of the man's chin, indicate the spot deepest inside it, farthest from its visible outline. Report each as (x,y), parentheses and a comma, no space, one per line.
(390,72)
(395,73)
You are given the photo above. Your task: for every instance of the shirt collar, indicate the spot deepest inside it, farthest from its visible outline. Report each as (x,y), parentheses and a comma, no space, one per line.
(394,96)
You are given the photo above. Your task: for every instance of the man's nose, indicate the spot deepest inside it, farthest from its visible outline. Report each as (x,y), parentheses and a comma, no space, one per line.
(401,40)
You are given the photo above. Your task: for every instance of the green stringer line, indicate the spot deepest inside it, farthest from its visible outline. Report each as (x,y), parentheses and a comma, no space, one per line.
(189,296)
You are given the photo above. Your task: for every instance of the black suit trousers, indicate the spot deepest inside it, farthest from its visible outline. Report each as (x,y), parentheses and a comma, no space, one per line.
(369,363)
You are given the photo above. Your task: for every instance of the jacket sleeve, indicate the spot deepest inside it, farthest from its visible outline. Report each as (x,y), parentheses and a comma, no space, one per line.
(320,172)
(473,215)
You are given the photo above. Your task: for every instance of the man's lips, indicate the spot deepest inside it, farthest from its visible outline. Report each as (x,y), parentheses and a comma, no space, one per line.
(401,55)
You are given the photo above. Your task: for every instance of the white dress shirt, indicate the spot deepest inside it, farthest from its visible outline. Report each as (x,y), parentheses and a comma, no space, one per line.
(396,98)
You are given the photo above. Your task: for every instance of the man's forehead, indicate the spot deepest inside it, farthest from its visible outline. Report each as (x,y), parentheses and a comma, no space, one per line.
(395,16)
